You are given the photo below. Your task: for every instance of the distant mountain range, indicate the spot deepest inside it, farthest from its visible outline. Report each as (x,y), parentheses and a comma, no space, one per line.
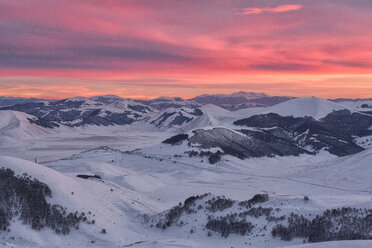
(240,100)
(232,102)
(290,127)
(162,112)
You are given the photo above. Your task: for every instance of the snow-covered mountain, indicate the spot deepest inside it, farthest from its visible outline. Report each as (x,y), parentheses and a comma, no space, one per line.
(253,139)
(305,125)
(80,111)
(314,107)
(183,118)
(163,103)
(313,124)
(113,110)
(298,126)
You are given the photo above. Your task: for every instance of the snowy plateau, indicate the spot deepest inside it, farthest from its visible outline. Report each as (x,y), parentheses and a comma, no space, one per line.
(239,170)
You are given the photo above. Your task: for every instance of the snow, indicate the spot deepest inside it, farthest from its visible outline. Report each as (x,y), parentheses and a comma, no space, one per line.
(15,126)
(305,106)
(162,180)
(114,104)
(152,180)
(351,172)
(142,176)
(359,105)
(336,244)
(88,195)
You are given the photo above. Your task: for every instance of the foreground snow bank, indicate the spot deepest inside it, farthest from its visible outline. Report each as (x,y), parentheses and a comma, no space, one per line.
(336,244)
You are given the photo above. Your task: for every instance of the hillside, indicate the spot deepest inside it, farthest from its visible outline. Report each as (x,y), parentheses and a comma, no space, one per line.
(98,202)
(15,126)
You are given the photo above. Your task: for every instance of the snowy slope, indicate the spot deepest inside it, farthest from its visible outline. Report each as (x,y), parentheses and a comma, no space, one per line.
(362,106)
(218,116)
(336,244)
(305,106)
(15,127)
(156,173)
(352,172)
(179,119)
(155,180)
(17,124)
(185,119)
(109,205)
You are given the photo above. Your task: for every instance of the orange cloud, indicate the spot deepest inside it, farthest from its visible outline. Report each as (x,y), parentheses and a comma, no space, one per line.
(278,9)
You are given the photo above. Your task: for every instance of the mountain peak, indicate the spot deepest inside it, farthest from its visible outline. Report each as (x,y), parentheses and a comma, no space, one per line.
(305,106)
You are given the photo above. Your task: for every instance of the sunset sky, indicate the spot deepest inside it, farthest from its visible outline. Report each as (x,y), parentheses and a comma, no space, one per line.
(145,49)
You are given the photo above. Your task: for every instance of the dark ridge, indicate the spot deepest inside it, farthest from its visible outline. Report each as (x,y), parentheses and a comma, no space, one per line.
(177,139)
(44,123)
(138,108)
(89,176)
(334,133)
(162,118)
(179,120)
(347,123)
(243,144)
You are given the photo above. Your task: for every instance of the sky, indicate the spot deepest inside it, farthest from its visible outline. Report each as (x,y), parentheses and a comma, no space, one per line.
(145,49)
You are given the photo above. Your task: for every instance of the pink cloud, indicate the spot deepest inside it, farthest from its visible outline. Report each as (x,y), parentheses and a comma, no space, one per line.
(278,9)
(183,39)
